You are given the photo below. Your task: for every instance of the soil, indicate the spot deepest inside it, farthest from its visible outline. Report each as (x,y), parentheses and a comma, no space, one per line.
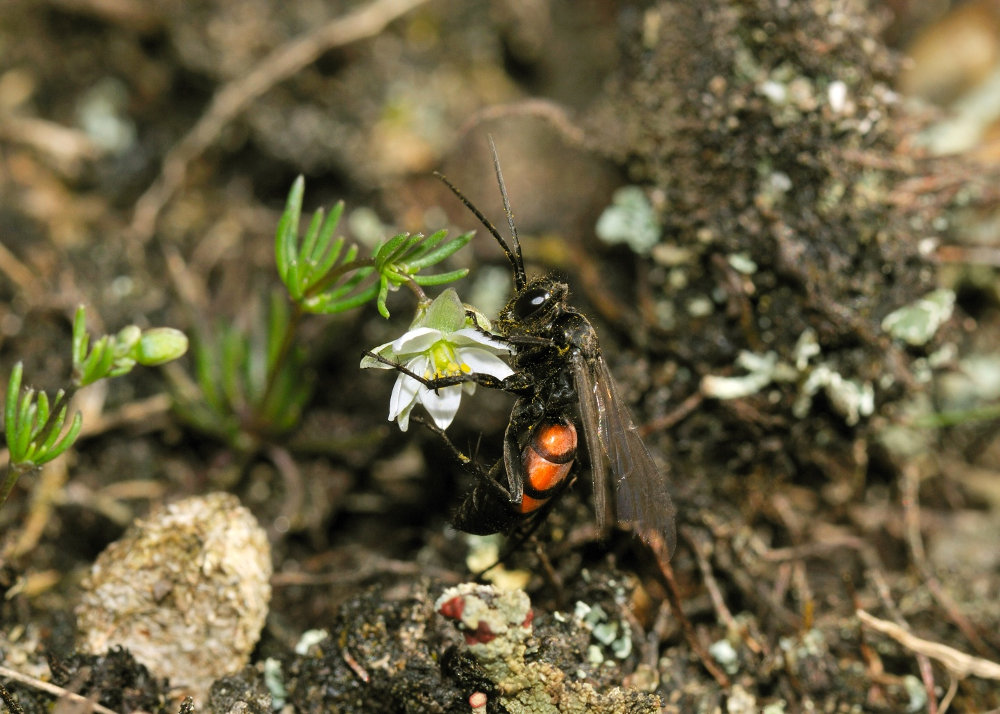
(821,464)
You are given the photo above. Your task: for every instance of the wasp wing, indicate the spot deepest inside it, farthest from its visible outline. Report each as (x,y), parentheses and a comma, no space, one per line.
(590,417)
(512,465)
(641,488)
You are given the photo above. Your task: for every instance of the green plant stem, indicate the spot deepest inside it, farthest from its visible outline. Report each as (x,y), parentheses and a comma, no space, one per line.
(60,401)
(422,298)
(336,274)
(287,340)
(298,312)
(14,472)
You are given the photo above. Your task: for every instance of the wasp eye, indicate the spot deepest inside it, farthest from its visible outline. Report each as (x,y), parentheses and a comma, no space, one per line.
(531,302)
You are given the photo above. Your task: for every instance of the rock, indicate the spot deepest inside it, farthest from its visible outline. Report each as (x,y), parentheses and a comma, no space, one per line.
(185,590)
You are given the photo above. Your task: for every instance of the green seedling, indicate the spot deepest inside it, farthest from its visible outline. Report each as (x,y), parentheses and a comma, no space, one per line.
(36,429)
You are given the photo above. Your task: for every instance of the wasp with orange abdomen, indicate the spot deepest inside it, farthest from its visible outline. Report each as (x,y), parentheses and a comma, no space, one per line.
(561,382)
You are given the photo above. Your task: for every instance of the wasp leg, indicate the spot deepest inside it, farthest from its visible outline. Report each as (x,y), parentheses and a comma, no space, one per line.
(520,535)
(555,580)
(478,327)
(487,488)
(515,384)
(521,340)
(486,508)
(531,341)
(456,452)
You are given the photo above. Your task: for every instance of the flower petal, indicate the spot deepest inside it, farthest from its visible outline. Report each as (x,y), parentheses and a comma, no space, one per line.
(403,418)
(405,393)
(485,362)
(372,363)
(443,405)
(416,340)
(472,336)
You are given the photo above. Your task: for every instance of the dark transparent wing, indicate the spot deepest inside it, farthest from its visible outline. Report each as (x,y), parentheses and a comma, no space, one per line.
(641,488)
(590,416)
(512,465)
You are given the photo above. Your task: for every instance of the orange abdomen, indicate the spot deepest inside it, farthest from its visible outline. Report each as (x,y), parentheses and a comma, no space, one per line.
(547,460)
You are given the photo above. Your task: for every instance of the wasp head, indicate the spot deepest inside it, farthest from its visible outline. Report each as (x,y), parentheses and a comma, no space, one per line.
(535,307)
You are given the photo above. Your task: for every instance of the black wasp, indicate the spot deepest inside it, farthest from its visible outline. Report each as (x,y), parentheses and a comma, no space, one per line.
(560,380)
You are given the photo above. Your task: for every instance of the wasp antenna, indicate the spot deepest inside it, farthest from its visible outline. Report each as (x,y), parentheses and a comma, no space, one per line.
(515,262)
(520,277)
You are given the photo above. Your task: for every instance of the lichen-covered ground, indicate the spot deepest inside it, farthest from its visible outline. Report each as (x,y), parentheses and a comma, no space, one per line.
(834,471)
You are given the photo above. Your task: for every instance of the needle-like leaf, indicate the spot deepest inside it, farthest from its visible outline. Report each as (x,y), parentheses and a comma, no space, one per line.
(25,425)
(285,249)
(68,439)
(11,402)
(441,278)
(53,432)
(444,251)
(80,336)
(326,233)
(305,251)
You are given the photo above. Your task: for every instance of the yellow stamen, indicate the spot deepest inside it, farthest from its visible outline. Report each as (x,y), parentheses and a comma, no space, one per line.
(445,359)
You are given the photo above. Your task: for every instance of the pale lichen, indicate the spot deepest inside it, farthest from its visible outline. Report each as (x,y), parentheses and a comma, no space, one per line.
(497,626)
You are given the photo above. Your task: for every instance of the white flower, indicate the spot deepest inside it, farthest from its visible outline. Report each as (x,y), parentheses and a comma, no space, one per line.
(438,344)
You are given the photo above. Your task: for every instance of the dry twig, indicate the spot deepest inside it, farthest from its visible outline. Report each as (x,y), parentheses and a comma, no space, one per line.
(355,666)
(15,676)
(958,663)
(657,548)
(19,273)
(698,545)
(885,595)
(67,148)
(668,420)
(551,112)
(234,97)
(910,487)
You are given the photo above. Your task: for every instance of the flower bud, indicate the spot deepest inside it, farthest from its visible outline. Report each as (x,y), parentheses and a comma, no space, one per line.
(159,345)
(446,313)
(127,338)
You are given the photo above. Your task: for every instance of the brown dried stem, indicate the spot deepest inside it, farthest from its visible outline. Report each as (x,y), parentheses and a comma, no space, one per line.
(15,676)
(234,97)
